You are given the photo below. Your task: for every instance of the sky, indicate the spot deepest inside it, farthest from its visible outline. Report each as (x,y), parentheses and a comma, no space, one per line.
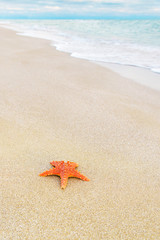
(85,9)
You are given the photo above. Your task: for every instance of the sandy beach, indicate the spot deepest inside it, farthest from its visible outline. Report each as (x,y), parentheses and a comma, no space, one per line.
(56,107)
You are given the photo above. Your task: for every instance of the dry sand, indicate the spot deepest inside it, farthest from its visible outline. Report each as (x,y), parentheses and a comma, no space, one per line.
(55,107)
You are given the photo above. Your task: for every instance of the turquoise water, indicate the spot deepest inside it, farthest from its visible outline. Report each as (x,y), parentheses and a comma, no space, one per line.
(128,42)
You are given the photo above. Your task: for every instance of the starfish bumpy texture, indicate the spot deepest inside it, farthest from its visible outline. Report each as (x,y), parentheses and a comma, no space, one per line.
(64,170)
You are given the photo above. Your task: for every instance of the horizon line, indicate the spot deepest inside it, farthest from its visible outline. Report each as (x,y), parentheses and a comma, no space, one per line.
(84,18)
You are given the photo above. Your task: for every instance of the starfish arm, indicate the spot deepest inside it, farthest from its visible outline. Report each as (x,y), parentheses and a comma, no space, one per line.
(56,163)
(64,180)
(72,164)
(77,174)
(52,171)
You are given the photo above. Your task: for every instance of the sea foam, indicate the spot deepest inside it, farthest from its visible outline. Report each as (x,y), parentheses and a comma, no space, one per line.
(127,42)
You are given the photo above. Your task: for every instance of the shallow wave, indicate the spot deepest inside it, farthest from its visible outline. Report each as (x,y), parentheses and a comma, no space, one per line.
(133,43)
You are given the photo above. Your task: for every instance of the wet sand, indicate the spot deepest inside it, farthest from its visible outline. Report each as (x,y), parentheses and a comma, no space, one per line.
(55,107)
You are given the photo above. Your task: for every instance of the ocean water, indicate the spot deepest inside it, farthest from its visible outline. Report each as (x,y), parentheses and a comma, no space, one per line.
(127,42)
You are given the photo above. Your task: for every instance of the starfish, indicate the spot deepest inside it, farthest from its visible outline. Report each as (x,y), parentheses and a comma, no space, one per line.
(64,170)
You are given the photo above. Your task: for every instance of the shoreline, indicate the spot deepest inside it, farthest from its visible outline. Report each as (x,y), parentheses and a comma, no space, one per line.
(142,76)
(55,107)
(148,78)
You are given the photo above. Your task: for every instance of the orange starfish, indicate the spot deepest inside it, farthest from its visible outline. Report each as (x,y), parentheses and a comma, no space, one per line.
(64,170)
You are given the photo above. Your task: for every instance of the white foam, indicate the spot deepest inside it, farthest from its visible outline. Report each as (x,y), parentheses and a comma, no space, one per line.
(156,70)
(88,40)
